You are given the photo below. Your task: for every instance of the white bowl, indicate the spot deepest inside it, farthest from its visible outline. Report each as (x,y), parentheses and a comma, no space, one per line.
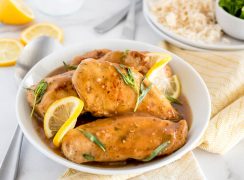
(230,24)
(193,88)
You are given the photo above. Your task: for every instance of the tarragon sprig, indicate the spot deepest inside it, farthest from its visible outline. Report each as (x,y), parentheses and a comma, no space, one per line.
(124,55)
(39,91)
(93,139)
(160,148)
(69,67)
(128,78)
(142,94)
(173,100)
(89,157)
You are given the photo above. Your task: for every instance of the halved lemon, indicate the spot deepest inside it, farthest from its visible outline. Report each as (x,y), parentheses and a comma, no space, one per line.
(41,29)
(61,116)
(159,60)
(15,12)
(10,50)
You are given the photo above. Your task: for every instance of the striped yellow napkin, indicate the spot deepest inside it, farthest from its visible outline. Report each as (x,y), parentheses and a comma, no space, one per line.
(223,73)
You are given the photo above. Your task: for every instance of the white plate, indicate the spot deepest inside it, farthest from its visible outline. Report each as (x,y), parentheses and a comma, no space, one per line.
(168,38)
(233,44)
(193,87)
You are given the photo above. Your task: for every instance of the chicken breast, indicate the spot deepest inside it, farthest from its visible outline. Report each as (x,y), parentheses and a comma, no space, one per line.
(105,93)
(135,59)
(59,86)
(96,54)
(124,137)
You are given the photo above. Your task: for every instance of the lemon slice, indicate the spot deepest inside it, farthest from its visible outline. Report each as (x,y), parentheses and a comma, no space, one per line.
(41,29)
(61,116)
(15,12)
(173,88)
(159,60)
(10,50)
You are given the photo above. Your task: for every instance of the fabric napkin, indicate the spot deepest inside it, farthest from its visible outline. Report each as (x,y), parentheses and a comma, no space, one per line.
(223,72)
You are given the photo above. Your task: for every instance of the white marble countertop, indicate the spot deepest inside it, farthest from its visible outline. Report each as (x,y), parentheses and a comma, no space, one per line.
(77,28)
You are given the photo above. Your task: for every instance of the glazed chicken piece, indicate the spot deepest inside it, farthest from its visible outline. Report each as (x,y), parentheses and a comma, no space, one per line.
(59,86)
(136,59)
(124,137)
(96,54)
(105,93)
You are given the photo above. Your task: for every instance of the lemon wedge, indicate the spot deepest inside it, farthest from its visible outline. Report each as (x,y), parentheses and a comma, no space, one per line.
(159,60)
(41,29)
(61,116)
(15,12)
(10,50)
(170,86)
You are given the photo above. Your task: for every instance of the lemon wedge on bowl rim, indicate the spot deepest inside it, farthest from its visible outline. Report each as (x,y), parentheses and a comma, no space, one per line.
(41,29)
(61,116)
(10,50)
(15,12)
(159,60)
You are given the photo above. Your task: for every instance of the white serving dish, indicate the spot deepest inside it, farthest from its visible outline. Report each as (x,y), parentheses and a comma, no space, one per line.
(193,87)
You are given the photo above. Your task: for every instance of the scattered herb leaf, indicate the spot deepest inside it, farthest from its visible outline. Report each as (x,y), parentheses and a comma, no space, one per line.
(94,139)
(128,78)
(160,148)
(173,100)
(38,93)
(69,67)
(89,157)
(142,94)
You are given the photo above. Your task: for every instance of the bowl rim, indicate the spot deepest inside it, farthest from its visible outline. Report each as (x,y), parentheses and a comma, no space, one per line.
(111,171)
(227,13)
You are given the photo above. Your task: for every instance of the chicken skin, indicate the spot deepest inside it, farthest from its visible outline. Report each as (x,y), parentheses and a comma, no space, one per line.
(59,86)
(124,137)
(105,93)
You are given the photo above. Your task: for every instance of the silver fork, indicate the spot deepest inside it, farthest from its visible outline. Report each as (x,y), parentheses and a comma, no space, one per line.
(113,20)
(129,26)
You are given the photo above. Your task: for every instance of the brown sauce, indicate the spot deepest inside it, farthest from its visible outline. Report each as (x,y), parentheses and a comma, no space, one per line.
(184,110)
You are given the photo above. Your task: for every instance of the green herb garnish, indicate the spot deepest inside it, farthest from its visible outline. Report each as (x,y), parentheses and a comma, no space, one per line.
(173,100)
(69,67)
(93,138)
(125,54)
(128,78)
(234,7)
(89,157)
(160,148)
(38,93)
(142,94)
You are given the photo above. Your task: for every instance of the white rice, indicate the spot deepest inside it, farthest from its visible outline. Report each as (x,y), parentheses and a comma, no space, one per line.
(193,19)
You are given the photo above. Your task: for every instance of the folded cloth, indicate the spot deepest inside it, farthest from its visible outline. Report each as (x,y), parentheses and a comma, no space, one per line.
(223,72)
